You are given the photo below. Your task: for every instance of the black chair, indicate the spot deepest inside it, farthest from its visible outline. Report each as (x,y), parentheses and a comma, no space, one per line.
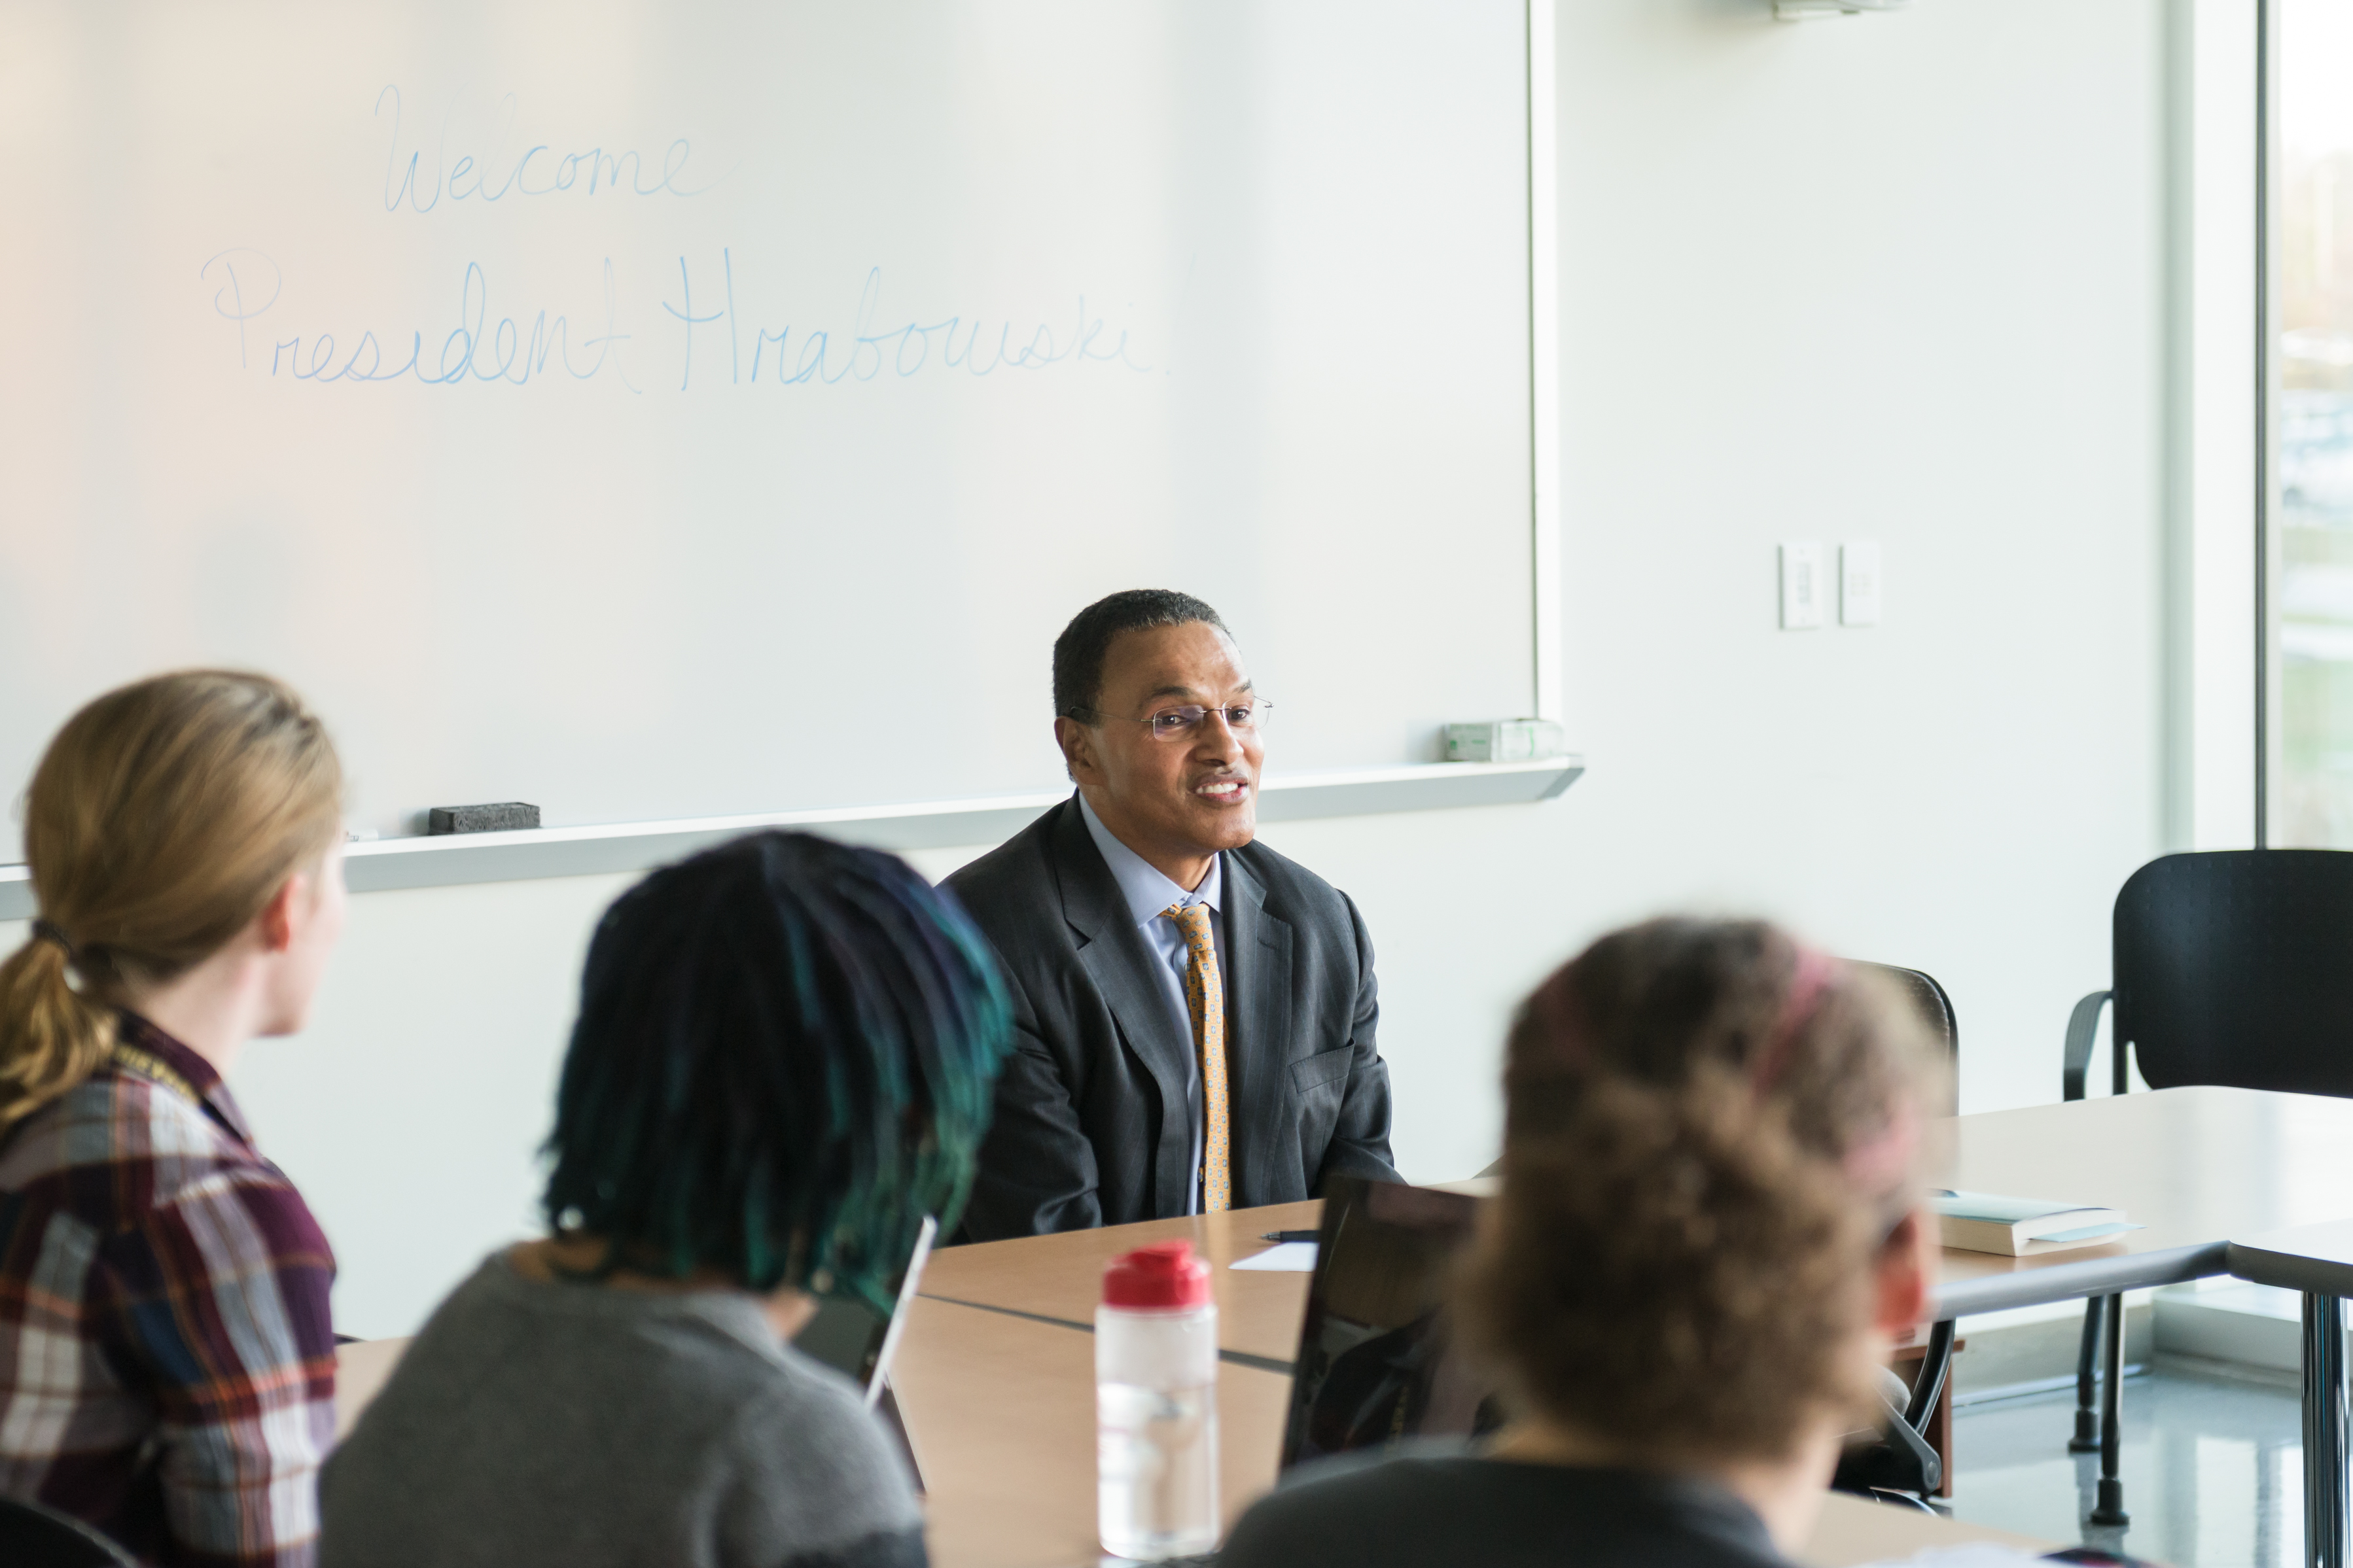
(1936,1009)
(1902,1465)
(2233,968)
(32,1536)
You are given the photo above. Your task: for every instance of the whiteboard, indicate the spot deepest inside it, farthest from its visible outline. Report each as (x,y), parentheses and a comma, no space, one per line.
(660,410)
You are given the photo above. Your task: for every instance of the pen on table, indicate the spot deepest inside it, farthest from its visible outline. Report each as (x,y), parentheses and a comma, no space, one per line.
(1288,1236)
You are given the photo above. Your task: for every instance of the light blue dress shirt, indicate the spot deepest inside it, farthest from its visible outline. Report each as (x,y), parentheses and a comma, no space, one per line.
(1149,892)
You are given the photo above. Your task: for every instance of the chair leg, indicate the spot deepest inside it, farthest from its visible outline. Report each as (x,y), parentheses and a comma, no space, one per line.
(2325,1456)
(2087,1379)
(2111,1509)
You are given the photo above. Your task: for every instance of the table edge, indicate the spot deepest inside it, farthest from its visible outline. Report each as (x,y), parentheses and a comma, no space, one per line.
(1236,1358)
(2092,1277)
(2289,1270)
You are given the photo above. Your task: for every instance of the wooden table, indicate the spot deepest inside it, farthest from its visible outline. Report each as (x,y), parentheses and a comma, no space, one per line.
(1059,1276)
(2194,1167)
(1001,1411)
(997,1378)
(361,1368)
(1852,1530)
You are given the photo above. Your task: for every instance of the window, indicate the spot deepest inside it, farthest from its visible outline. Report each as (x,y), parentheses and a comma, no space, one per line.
(2313,449)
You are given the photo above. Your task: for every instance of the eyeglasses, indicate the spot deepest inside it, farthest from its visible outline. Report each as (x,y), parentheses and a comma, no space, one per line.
(1173,724)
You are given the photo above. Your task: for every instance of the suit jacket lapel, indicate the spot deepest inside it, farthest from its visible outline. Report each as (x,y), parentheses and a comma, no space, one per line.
(1258,1045)
(1122,964)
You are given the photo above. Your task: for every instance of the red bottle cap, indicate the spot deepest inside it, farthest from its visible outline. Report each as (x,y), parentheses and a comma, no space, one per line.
(1164,1277)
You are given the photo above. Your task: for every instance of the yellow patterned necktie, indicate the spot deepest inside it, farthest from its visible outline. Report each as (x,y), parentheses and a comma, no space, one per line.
(1205,998)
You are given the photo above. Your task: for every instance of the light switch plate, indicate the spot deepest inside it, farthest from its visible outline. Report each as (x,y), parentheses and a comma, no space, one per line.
(1802,588)
(1859,583)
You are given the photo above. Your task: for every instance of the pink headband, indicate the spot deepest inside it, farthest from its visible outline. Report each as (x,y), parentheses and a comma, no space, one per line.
(1886,1158)
(1882,1161)
(1815,969)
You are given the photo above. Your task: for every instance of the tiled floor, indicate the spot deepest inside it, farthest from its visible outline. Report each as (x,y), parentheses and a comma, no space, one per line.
(2213,1468)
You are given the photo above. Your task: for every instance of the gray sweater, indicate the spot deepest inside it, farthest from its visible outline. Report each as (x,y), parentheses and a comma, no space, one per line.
(579,1427)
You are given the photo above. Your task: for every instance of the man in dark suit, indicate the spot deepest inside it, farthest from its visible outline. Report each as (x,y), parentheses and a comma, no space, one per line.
(1196,1012)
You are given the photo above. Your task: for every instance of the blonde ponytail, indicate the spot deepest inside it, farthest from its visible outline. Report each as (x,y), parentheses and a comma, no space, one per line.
(163,820)
(50,1039)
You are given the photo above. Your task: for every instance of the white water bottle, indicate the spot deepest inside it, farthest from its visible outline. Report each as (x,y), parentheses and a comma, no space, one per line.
(1156,1404)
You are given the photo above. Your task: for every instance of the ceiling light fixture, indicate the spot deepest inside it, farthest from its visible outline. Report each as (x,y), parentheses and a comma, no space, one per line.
(1812,10)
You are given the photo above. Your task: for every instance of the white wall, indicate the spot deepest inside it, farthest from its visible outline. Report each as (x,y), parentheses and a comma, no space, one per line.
(1890,277)
(1894,277)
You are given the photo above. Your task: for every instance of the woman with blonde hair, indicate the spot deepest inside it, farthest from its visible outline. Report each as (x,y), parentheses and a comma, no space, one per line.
(1709,1233)
(167,1362)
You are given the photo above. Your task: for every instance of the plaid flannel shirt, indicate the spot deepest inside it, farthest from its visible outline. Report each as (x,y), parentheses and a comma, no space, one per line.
(167,1367)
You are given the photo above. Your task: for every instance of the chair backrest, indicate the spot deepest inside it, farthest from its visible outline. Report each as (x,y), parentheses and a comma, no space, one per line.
(2235,967)
(1936,1010)
(32,1536)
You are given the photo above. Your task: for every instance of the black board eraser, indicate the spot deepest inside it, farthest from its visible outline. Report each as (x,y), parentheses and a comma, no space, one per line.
(501,817)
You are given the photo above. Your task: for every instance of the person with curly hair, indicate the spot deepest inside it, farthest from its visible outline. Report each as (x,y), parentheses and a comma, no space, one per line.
(1710,1232)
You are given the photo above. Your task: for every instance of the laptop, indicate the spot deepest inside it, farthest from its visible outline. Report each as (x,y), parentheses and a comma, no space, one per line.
(1377,1360)
(851,1337)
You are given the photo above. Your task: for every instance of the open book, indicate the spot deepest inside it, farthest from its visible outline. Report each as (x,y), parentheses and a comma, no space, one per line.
(2020,1227)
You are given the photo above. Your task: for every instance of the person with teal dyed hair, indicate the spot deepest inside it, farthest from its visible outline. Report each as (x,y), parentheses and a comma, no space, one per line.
(784,1061)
